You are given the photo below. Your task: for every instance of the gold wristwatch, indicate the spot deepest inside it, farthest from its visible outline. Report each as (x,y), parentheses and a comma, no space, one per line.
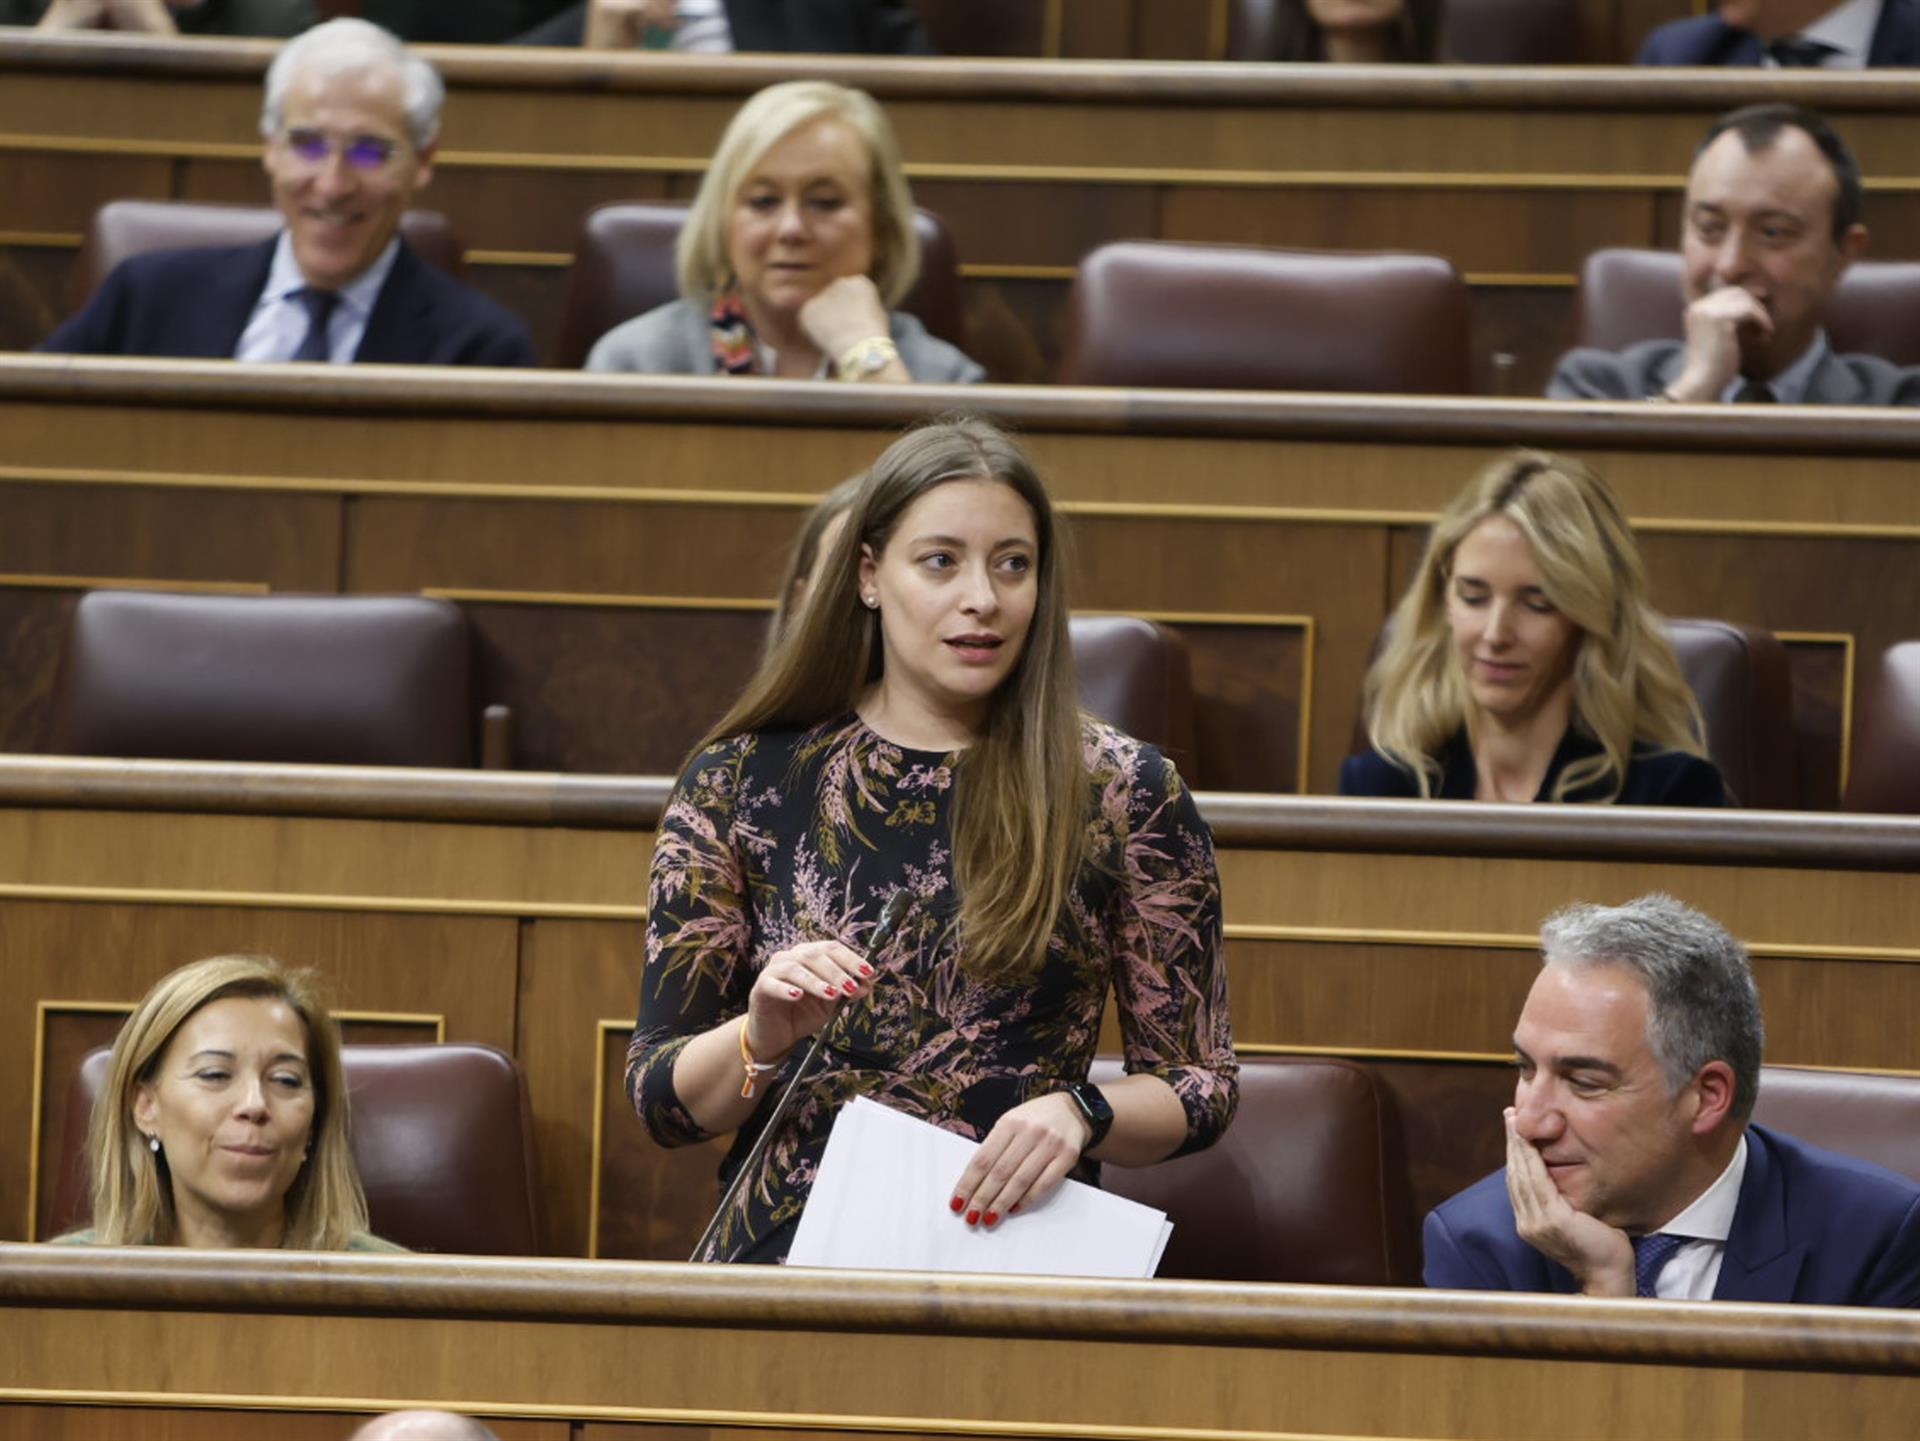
(866,358)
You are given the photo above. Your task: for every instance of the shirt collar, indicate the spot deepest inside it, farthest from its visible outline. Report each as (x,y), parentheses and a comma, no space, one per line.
(1710,1217)
(1791,385)
(356,296)
(1848,28)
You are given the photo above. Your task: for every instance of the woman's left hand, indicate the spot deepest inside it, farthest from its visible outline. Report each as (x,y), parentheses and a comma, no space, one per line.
(1027,1153)
(842,314)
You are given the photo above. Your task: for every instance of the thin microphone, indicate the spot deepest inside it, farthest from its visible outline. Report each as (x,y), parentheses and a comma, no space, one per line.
(895,911)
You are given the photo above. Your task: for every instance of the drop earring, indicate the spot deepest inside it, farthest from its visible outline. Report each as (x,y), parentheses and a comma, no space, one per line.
(153,1144)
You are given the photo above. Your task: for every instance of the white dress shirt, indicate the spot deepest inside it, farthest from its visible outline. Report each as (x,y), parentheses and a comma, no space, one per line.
(703,27)
(280,319)
(1848,28)
(1693,1270)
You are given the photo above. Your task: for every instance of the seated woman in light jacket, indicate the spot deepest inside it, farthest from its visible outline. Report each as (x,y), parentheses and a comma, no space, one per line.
(223,1123)
(1526,663)
(798,245)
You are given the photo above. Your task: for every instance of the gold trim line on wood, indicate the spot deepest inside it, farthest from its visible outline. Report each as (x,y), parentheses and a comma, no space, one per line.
(1053,29)
(37,1097)
(296,901)
(1849,650)
(1521,280)
(1367,1053)
(587,599)
(117,582)
(983,271)
(41,239)
(684,1416)
(596,1156)
(1199,617)
(1500,941)
(541,259)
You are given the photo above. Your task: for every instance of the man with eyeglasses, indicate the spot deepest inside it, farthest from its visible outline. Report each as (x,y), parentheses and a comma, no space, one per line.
(351,120)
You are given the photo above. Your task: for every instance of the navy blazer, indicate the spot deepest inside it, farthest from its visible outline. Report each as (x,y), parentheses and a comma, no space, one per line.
(824,27)
(1811,1225)
(196,303)
(1709,40)
(1654,778)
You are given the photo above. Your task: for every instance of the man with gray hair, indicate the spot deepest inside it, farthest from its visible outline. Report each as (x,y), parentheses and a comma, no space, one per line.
(423,1426)
(351,120)
(1632,1165)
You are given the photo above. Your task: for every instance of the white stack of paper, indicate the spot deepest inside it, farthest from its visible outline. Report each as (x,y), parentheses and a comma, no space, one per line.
(881,1202)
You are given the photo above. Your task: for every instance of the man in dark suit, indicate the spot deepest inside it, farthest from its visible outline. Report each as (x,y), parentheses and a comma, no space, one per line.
(1828,34)
(1632,1168)
(1770,224)
(350,119)
(827,27)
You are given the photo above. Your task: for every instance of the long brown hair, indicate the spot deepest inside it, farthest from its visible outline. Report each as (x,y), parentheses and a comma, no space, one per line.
(132,1189)
(1021,790)
(1627,684)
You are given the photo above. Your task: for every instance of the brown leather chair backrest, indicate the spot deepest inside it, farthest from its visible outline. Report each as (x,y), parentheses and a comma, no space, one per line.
(1633,295)
(1739,676)
(1238,317)
(1473,32)
(623,266)
(122,229)
(985,27)
(1136,675)
(442,1136)
(340,679)
(1308,1184)
(1885,772)
(1876,1118)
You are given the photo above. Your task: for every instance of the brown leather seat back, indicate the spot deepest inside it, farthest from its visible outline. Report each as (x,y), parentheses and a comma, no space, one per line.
(349,680)
(623,266)
(1632,295)
(1136,675)
(1876,1118)
(1513,32)
(442,1137)
(1885,774)
(1308,1184)
(1739,675)
(985,27)
(1235,317)
(122,229)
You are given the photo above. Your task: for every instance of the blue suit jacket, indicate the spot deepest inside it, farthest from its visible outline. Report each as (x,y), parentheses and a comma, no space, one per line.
(195,303)
(1709,40)
(1812,1226)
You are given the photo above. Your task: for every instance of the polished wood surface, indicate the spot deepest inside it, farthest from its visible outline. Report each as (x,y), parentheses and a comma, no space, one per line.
(1515,175)
(602,533)
(509,909)
(934,1355)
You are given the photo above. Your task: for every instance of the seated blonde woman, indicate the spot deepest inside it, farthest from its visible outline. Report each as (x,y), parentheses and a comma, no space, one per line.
(224,1118)
(1525,662)
(796,249)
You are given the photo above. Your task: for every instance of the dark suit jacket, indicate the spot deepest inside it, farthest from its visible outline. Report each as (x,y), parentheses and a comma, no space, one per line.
(196,303)
(1644,370)
(1654,778)
(824,27)
(1709,40)
(1811,1226)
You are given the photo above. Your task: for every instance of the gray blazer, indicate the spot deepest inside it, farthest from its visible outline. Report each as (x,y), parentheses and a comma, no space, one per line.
(677,339)
(1642,371)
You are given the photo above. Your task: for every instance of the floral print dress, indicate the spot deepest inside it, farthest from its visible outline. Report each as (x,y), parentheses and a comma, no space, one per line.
(781,837)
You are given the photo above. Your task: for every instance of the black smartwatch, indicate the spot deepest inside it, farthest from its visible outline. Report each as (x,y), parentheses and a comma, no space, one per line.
(1093,1106)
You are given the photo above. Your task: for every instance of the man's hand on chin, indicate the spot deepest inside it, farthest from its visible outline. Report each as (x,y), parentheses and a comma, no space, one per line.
(1599,1256)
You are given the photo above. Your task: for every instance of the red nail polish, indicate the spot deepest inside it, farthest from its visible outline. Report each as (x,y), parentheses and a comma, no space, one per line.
(973,1218)
(794,991)
(865,969)
(1013,1208)
(850,988)
(991,1218)
(958,1202)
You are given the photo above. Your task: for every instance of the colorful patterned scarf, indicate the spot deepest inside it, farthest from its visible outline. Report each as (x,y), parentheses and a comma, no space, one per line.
(736,350)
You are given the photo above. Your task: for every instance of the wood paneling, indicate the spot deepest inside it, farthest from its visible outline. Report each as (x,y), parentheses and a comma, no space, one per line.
(104,1423)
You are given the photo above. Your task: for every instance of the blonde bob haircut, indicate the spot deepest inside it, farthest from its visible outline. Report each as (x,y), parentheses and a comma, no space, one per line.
(1627,685)
(702,264)
(1021,789)
(132,1187)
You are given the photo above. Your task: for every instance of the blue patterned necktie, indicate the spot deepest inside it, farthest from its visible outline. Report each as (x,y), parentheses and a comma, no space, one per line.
(1650,1253)
(320,304)
(1794,54)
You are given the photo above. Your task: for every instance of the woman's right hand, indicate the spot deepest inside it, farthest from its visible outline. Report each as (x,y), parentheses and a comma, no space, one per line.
(798,991)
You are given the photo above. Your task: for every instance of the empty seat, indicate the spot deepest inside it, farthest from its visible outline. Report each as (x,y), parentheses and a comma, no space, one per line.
(623,266)
(1633,295)
(1307,1185)
(1237,317)
(122,229)
(1513,32)
(1885,771)
(350,680)
(1136,675)
(442,1137)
